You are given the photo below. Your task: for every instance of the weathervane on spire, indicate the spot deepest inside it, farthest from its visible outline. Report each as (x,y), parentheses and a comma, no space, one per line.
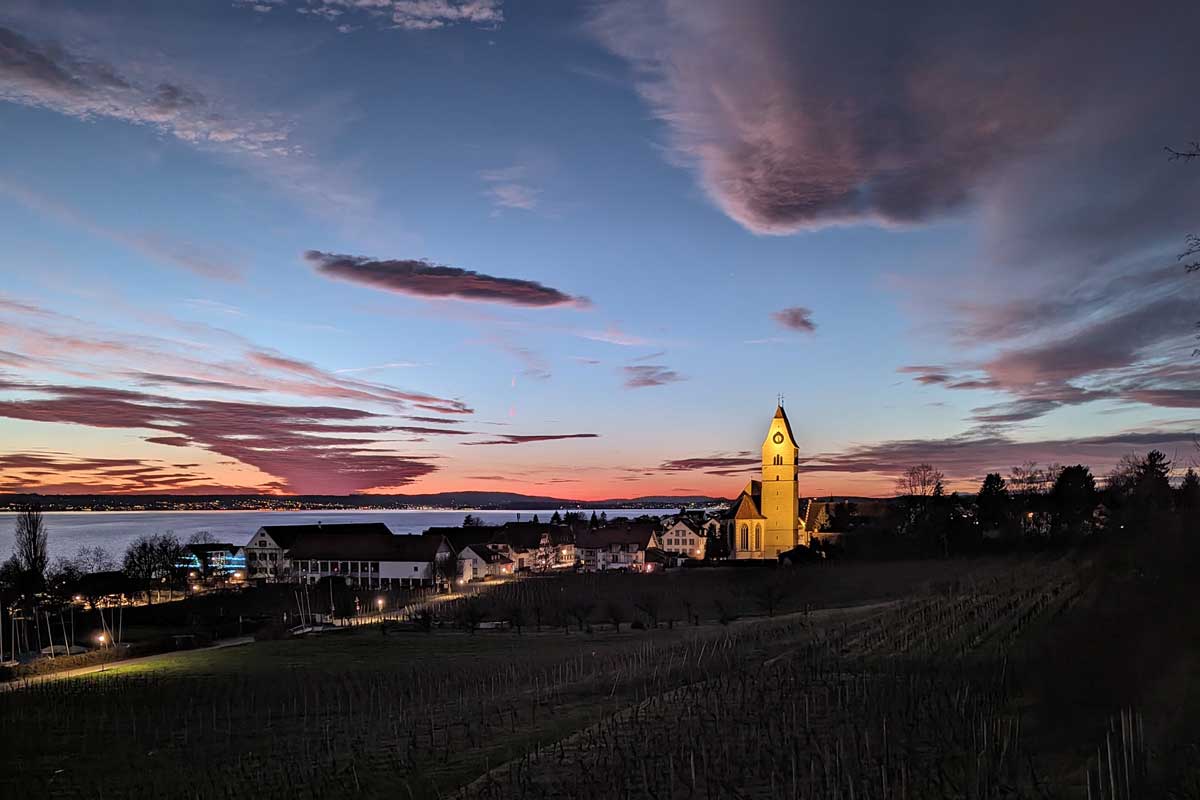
(781,399)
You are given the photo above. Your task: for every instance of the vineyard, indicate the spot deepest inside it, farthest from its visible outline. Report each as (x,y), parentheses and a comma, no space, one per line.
(898,698)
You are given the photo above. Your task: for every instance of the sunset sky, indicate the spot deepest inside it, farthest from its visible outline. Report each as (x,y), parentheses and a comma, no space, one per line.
(578,249)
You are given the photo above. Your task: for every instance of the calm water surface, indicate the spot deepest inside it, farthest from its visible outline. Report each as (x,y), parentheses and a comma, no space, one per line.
(115,530)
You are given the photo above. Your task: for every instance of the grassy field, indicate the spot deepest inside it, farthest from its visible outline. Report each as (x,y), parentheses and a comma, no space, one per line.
(908,694)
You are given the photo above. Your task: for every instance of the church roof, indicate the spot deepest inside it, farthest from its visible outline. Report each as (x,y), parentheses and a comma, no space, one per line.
(746,507)
(810,512)
(781,414)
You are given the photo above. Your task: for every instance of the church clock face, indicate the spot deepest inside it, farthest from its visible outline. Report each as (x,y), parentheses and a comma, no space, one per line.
(777,438)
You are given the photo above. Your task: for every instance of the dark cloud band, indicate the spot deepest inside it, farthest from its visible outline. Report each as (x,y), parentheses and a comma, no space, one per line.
(425,279)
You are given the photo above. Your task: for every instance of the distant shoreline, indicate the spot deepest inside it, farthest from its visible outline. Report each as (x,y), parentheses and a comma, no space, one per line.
(456,501)
(379,509)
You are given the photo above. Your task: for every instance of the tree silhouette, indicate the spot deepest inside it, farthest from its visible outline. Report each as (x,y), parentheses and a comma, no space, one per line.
(992,504)
(29,545)
(1074,500)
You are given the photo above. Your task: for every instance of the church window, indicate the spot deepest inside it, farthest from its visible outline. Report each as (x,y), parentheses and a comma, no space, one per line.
(779,461)
(745,538)
(758,537)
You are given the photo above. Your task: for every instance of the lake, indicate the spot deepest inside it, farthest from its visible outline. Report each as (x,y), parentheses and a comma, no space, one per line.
(115,530)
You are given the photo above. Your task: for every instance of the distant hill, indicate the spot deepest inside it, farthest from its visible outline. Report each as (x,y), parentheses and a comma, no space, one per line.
(499,501)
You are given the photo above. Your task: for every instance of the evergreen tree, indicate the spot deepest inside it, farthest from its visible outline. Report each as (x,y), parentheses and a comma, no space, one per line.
(556,519)
(1152,483)
(1073,499)
(993,503)
(1188,494)
(593,522)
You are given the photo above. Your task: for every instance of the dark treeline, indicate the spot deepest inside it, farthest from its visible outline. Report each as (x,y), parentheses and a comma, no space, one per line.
(1031,508)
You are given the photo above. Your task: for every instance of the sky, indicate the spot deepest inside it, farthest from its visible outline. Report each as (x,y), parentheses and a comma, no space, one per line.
(581,249)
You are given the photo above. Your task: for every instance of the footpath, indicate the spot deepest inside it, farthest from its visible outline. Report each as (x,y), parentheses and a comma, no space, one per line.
(21,683)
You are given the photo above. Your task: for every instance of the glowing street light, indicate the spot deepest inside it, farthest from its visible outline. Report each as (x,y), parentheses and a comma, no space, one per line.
(101,639)
(379,603)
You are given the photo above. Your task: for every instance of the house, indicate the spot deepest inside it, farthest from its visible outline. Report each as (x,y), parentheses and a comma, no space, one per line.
(459,537)
(479,561)
(658,560)
(616,546)
(371,560)
(536,546)
(365,554)
(266,552)
(685,536)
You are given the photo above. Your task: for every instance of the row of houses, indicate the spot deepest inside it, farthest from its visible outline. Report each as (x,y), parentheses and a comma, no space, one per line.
(370,555)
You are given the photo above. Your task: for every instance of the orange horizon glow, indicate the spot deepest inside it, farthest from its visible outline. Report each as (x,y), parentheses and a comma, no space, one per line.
(602,488)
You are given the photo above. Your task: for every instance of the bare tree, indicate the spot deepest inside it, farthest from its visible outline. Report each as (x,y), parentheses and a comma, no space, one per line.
(151,561)
(616,614)
(93,559)
(471,612)
(919,481)
(1029,479)
(516,617)
(649,604)
(580,610)
(771,594)
(29,544)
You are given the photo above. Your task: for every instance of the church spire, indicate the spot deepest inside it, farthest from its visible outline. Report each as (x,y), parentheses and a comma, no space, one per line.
(780,414)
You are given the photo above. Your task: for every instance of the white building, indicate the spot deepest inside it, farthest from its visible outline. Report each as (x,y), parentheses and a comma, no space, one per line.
(479,561)
(367,555)
(618,546)
(686,536)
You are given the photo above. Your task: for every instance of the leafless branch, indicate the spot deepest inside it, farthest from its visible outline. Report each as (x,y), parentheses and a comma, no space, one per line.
(1187,154)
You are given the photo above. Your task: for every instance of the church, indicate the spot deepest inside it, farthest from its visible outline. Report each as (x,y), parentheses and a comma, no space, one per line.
(767,518)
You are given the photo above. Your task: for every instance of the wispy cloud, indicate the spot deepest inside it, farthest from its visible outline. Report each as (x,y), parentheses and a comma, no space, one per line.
(48,472)
(425,279)
(796,318)
(59,344)
(970,456)
(719,464)
(613,334)
(638,376)
(153,246)
(532,438)
(47,75)
(310,449)
(409,15)
(510,188)
(378,367)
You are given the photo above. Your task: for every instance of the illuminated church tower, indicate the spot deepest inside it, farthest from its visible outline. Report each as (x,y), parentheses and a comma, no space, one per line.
(780,502)
(765,520)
